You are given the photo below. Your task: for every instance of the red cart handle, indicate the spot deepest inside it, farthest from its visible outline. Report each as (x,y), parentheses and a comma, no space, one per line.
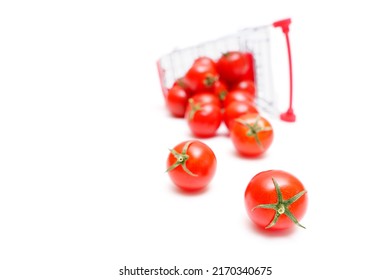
(289,115)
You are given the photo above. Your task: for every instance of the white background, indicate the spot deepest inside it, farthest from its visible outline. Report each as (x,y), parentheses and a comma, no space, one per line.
(84,136)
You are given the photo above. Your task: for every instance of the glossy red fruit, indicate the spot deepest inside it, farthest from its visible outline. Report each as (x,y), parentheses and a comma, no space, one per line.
(191,165)
(276,199)
(251,134)
(176,101)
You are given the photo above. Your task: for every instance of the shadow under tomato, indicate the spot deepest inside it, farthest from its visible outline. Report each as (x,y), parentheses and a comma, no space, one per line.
(271,233)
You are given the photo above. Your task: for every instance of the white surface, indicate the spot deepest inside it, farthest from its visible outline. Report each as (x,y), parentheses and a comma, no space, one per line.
(84,136)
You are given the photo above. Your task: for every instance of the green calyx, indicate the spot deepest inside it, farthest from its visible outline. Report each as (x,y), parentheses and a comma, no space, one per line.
(254,129)
(209,80)
(194,107)
(181,159)
(281,206)
(222,95)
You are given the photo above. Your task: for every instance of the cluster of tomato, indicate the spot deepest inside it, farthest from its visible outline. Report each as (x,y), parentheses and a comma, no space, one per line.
(218,92)
(223,91)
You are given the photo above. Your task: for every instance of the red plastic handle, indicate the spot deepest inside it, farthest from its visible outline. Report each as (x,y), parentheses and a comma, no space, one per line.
(284,24)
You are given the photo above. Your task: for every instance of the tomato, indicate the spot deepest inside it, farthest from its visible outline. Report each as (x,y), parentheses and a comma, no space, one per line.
(176,101)
(202,75)
(206,61)
(203,119)
(251,134)
(232,66)
(206,97)
(238,95)
(191,165)
(275,199)
(236,109)
(247,85)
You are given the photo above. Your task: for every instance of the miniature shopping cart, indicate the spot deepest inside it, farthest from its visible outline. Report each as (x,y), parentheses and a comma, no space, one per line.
(255,40)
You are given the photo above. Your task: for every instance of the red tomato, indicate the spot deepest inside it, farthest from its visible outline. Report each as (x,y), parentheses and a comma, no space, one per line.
(191,165)
(203,119)
(236,109)
(232,66)
(202,75)
(275,199)
(251,134)
(247,85)
(176,101)
(206,97)
(238,95)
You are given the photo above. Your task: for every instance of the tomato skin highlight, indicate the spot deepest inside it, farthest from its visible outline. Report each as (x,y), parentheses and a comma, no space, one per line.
(201,161)
(261,190)
(246,145)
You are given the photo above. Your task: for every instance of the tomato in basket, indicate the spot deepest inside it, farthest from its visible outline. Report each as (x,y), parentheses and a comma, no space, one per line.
(232,66)
(202,75)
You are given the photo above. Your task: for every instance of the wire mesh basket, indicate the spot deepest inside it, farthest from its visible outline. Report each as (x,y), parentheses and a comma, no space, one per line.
(254,40)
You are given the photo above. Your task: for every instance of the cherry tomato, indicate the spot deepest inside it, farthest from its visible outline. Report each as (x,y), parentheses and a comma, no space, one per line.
(191,165)
(176,101)
(247,85)
(232,66)
(202,75)
(238,95)
(203,119)
(236,109)
(275,199)
(206,97)
(251,134)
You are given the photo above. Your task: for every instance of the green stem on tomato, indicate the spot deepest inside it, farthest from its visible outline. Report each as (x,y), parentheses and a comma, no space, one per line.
(181,159)
(281,206)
